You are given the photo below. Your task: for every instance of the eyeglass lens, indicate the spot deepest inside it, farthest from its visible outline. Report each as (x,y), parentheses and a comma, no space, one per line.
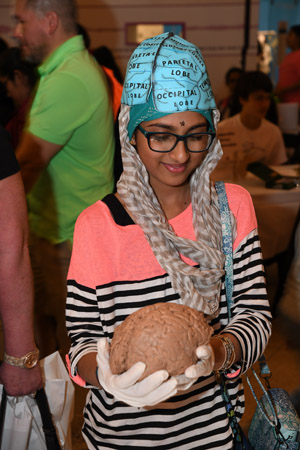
(164,142)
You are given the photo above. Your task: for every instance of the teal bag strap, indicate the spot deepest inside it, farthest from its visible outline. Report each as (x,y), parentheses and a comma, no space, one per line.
(227,250)
(226,241)
(239,442)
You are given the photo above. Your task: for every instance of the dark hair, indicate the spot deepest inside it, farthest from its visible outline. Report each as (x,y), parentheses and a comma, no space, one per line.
(11,60)
(105,58)
(253,81)
(3,45)
(232,70)
(85,35)
(296,29)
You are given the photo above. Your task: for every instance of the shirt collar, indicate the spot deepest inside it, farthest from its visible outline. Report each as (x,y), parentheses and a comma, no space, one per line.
(70,46)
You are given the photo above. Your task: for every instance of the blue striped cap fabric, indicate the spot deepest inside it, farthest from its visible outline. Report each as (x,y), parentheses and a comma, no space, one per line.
(173,71)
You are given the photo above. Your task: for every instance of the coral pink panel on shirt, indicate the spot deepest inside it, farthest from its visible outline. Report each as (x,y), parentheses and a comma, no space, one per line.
(104,252)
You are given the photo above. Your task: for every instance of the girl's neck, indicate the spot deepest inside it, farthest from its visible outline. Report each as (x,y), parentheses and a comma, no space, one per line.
(175,201)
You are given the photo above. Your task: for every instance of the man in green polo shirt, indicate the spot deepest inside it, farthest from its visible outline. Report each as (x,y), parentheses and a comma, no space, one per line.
(66,153)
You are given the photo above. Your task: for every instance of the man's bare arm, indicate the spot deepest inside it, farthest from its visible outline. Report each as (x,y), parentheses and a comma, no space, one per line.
(16,287)
(33,154)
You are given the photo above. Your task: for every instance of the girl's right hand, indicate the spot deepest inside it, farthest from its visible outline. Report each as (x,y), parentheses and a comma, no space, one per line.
(152,390)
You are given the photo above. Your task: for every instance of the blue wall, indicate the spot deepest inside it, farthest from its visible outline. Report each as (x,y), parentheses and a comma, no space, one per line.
(273,11)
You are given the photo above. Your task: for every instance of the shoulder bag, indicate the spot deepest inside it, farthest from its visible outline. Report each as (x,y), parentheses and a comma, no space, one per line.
(275,424)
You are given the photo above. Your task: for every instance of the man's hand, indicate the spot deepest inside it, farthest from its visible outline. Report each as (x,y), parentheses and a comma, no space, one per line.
(18,381)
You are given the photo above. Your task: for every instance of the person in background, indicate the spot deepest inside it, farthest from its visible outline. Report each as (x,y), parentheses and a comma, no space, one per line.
(271,114)
(3,45)
(105,57)
(109,67)
(19,77)
(6,103)
(288,86)
(20,371)
(159,239)
(115,88)
(248,135)
(231,78)
(66,152)
(82,31)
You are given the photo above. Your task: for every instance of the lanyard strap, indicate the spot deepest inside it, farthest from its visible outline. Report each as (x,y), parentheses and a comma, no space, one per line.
(226,242)
(265,372)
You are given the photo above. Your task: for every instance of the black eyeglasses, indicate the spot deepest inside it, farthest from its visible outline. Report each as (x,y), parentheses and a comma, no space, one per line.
(162,142)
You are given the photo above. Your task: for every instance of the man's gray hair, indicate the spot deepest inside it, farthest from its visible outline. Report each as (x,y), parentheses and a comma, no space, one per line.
(65,9)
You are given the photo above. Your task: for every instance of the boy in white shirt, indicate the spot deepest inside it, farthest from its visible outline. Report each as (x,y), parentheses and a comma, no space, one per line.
(248,135)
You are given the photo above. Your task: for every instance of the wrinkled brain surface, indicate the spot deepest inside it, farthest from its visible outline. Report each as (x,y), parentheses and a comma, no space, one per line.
(163,336)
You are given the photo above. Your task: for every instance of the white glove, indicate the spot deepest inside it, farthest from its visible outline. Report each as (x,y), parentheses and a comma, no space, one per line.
(203,368)
(125,387)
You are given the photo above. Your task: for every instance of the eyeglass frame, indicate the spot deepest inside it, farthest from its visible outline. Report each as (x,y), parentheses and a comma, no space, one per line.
(179,137)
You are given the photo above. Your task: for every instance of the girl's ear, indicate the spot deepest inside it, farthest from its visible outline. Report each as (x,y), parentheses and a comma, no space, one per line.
(132,140)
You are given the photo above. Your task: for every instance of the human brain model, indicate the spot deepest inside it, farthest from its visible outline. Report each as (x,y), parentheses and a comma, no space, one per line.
(163,336)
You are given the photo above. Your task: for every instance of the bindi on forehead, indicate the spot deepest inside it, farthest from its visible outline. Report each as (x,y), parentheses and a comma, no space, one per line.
(182,123)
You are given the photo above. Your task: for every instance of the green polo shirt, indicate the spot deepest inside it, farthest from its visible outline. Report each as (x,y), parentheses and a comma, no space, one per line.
(71,108)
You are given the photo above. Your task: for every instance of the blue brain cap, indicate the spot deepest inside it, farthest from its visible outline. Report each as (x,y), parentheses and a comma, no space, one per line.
(173,71)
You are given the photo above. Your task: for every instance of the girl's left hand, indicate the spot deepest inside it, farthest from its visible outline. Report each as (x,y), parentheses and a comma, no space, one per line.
(203,368)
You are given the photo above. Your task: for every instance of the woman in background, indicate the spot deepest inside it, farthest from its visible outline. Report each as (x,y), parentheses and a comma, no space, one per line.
(288,87)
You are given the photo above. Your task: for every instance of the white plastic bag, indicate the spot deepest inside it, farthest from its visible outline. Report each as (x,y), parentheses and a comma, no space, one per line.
(23,428)
(61,395)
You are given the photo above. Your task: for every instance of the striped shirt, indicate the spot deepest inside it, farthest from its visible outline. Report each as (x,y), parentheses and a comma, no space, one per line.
(113,272)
